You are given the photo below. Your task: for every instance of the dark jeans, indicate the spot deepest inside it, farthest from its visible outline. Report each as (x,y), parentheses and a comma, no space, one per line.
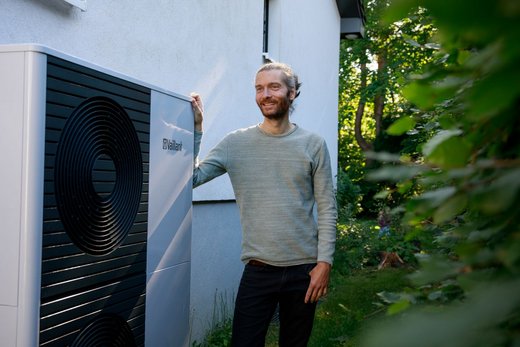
(261,289)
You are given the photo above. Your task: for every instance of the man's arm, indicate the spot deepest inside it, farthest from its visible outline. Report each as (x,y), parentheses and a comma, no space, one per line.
(213,165)
(326,205)
(327,217)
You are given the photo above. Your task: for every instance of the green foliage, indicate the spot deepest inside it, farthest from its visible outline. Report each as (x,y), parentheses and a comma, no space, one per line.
(348,197)
(401,126)
(350,305)
(401,49)
(476,322)
(359,245)
(353,292)
(467,180)
(355,246)
(219,335)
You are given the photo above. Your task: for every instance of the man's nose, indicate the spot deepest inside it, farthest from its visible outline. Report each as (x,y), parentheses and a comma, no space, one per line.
(266,93)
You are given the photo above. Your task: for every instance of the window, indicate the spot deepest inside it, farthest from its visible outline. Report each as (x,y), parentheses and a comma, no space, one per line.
(272,23)
(265,52)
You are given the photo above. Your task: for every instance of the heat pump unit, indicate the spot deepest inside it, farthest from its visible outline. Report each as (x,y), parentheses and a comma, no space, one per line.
(96,207)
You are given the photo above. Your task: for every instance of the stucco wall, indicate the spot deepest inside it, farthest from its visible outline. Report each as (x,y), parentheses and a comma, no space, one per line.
(216,266)
(213,47)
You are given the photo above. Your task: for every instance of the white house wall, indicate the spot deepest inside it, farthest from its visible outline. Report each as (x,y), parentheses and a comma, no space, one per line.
(216,268)
(304,33)
(213,47)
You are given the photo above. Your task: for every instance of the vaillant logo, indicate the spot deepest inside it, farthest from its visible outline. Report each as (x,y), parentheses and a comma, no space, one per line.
(171,145)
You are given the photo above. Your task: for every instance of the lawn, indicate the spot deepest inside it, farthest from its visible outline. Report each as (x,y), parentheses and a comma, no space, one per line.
(351,303)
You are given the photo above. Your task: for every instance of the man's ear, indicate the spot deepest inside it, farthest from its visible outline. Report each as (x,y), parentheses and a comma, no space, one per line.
(292,94)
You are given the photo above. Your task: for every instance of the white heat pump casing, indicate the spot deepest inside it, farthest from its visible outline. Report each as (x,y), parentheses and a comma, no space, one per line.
(23,70)
(22,110)
(169,223)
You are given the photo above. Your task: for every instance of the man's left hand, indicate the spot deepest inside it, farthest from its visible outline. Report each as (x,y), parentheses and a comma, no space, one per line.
(319,282)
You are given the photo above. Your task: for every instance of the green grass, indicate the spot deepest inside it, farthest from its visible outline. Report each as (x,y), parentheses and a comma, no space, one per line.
(351,303)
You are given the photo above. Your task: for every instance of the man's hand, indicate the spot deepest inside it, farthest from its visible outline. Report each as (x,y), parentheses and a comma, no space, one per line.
(319,282)
(198,110)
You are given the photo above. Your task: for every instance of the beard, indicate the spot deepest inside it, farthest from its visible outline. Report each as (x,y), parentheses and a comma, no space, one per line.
(278,109)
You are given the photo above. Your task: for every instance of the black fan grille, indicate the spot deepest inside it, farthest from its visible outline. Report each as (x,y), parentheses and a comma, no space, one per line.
(98,131)
(106,330)
(95,213)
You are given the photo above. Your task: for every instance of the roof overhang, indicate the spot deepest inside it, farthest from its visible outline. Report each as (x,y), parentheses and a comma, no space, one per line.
(353,18)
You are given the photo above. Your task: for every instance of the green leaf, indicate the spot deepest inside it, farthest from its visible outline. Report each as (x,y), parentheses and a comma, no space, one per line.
(497,92)
(389,297)
(398,10)
(426,95)
(471,323)
(383,194)
(440,137)
(437,197)
(434,269)
(384,157)
(398,307)
(450,209)
(511,254)
(405,186)
(401,126)
(498,196)
(394,173)
(463,56)
(453,152)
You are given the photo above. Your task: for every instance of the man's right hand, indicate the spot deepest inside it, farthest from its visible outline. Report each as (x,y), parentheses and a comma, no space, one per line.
(198,110)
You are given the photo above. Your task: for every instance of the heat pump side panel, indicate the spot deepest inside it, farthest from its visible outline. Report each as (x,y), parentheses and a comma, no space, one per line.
(169,217)
(168,307)
(171,176)
(22,118)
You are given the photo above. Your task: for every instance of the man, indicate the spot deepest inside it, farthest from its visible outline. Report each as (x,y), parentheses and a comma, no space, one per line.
(279,172)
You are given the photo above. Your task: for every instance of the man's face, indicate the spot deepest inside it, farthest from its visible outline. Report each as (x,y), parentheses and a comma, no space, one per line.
(272,94)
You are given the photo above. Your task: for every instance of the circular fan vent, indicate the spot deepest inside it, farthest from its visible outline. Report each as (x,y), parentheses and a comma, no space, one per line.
(107,330)
(98,175)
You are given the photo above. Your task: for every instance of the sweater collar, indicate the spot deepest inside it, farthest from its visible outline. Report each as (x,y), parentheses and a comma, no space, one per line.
(292,130)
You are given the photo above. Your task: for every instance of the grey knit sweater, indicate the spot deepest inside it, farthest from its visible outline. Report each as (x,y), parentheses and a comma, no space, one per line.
(277,180)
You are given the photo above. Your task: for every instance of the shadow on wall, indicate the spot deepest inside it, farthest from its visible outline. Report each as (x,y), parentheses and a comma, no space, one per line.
(59,7)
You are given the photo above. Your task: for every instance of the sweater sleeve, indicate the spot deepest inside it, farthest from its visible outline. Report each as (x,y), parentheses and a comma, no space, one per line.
(212,166)
(326,205)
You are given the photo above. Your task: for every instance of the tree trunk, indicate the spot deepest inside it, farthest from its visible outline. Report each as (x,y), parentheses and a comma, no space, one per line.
(379,98)
(362,143)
